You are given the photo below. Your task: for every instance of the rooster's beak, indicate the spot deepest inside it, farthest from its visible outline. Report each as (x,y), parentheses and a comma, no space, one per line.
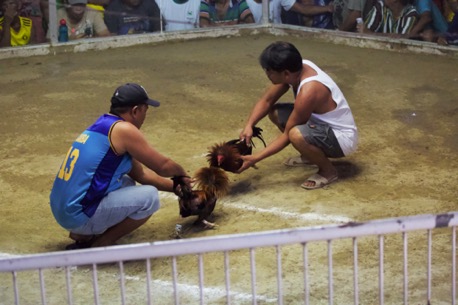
(220,159)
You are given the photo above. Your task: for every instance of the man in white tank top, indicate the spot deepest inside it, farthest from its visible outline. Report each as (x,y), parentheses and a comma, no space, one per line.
(276,6)
(319,124)
(179,15)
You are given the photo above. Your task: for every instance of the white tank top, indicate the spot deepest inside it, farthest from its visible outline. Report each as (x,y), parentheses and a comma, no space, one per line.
(340,119)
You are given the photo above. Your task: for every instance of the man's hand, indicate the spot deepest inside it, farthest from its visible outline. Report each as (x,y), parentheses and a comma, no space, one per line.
(248,161)
(246,135)
(182,186)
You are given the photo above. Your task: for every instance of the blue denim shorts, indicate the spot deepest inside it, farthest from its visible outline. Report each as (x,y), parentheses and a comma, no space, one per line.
(130,201)
(318,134)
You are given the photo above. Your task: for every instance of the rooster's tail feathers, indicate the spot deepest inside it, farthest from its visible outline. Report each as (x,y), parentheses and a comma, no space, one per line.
(257,133)
(212,180)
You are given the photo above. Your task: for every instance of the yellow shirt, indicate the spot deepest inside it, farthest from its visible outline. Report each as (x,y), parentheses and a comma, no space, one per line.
(22,37)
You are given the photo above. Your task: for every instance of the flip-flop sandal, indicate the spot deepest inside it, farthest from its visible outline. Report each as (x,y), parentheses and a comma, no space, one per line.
(296,162)
(319,180)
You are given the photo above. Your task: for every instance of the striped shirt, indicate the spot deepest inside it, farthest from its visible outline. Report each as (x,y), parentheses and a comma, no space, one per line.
(236,13)
(381,20)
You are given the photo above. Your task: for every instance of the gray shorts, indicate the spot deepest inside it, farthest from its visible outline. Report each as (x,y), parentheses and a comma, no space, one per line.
(318,134)
(130,201)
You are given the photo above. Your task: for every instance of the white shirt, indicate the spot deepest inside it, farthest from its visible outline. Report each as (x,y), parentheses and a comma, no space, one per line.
(340,119)
(178,17)
(275,7)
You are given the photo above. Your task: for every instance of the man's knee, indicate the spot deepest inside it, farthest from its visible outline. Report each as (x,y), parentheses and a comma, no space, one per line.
(273,116)
(151,200)
(295,135)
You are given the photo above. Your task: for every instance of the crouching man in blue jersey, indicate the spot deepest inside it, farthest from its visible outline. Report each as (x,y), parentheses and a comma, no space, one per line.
(95,195)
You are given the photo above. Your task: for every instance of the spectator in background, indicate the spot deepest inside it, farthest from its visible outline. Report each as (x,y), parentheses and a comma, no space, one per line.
(32,9)
(430,23)
(344,15)
(132,17)
(325,20)
(81,21)
(394,18)
(276,6)
(450,9)
(326,14)
(91,5)
(224,12)
(180,14)
(44,7)
(98,5)
(450,37)
(355,9)
(14,29)
(293,18)
(340,12)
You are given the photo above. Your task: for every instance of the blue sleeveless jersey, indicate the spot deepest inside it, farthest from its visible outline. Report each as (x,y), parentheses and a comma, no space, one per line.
(89,172)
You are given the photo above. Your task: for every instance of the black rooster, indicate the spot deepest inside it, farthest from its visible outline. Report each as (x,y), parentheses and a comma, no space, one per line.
(211,183)
(227,155)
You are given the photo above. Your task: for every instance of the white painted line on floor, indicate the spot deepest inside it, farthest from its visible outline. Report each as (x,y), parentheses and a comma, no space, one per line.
(7,255)
(212,293)
(202,155)
(290,215)
(277,211)
(164,195)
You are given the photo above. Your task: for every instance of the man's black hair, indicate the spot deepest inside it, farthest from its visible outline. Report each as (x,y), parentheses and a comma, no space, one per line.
(118,110)
(280,56)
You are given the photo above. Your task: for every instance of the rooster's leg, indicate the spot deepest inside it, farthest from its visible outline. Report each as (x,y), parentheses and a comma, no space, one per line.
(209,225)
(177,233)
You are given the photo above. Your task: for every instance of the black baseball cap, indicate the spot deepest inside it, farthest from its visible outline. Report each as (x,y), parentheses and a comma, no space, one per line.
(131,94)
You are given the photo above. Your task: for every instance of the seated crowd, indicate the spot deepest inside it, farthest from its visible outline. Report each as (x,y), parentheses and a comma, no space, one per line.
(24,22)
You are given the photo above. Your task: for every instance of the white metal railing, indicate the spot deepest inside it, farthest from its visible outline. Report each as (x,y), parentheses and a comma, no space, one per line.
(68,261)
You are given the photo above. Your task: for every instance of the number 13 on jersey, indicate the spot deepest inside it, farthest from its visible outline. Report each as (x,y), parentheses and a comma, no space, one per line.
(66,169)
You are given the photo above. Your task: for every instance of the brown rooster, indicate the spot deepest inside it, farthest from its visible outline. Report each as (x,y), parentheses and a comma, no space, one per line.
(227,155)
(210,183)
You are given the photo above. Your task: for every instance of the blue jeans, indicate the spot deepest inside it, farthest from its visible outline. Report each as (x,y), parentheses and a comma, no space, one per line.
(130,201)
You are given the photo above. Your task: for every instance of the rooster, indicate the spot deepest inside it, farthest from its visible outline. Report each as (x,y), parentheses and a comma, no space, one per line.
(211,183)
(227,155)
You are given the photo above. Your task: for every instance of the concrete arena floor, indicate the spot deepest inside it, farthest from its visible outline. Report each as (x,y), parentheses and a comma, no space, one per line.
(404,106)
